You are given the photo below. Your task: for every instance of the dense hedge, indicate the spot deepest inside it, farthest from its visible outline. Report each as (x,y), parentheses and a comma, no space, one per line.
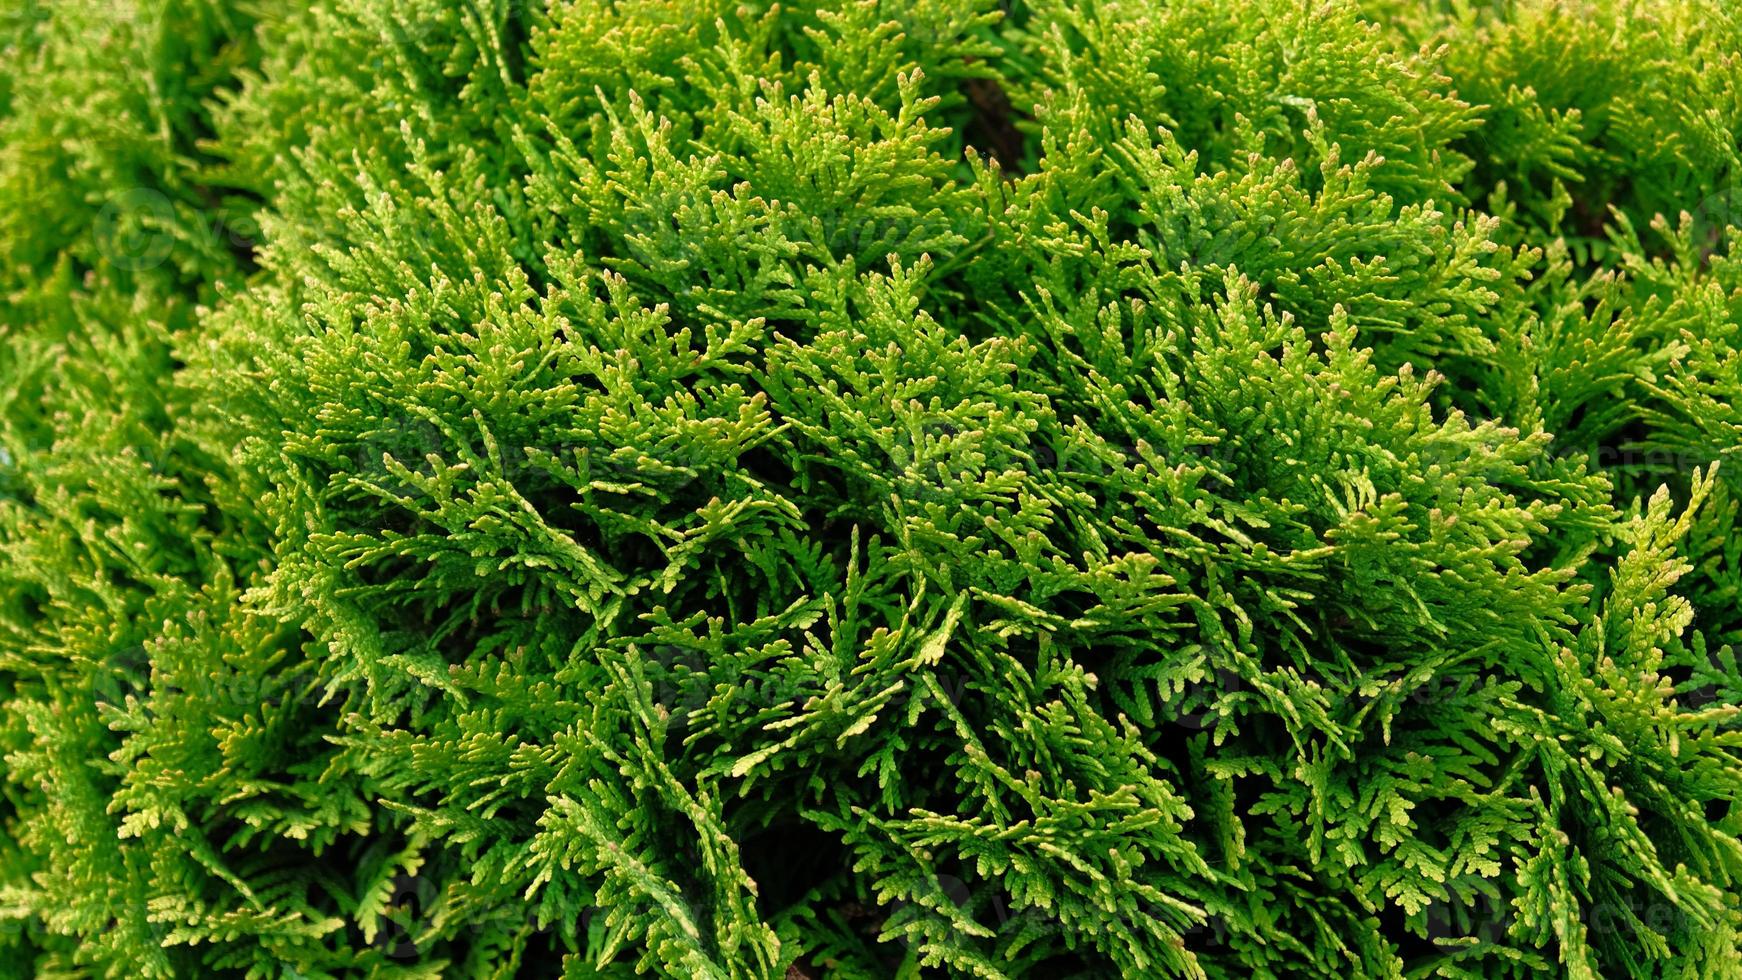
(909,488)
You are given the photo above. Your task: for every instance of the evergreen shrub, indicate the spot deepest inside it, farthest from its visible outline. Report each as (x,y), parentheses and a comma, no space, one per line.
(879,488)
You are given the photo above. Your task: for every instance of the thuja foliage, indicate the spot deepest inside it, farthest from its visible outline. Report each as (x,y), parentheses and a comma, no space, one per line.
(1203,488)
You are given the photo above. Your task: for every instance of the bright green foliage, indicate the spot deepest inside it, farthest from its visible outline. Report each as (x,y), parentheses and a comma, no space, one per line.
(887,488)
